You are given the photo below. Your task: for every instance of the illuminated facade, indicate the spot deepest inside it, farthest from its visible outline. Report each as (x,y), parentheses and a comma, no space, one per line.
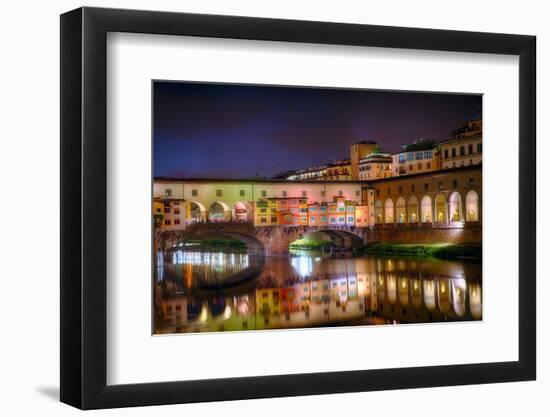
(375,166)
(359,151)
(298,212)
(252,201)
(445,198)
(334,171)
(465,147)
(419,157)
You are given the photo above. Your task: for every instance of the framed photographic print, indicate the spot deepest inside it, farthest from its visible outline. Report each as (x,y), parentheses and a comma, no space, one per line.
(258,208)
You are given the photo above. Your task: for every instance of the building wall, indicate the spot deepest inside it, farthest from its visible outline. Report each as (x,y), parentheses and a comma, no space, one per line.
(467,234)
(369,171)
(205,193)
(416,162)
(452,198)
(359,151)
(461,152)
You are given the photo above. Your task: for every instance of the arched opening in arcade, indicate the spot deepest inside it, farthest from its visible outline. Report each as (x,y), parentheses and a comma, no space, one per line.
(388,211)
(426,209)
(455,207)
(441,209)
(413,209)
(218,212)
(197,212)
(401,211)
(242,212)
(378,212)
(472,206)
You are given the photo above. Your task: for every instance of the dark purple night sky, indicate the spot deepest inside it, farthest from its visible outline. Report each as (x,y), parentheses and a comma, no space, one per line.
(239,131)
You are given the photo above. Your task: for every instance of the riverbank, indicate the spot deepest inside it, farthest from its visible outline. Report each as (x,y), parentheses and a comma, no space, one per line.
(471,252)
(309,244)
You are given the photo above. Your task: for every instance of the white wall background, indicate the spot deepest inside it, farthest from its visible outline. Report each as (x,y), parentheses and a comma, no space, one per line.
(29,213)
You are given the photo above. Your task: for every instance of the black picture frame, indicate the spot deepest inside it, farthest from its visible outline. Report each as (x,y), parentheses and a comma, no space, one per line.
(84,207)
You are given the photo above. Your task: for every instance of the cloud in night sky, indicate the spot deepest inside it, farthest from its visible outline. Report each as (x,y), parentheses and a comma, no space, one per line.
(238,131)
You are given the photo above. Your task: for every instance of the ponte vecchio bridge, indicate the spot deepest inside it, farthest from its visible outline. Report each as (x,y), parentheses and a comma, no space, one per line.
(437,206)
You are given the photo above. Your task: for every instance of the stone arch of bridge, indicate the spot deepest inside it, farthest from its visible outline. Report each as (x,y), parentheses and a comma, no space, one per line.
(340,238)
(254,245)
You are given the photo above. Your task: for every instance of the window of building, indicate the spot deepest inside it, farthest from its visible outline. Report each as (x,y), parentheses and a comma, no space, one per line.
(428,165)
(167,209)
(426,187)
(332,219)
(410,156)
(470,148)
(323,193)
(453,152)
(168,192)
(323,219)
(264,193)
(167,222)
(218,193)
(428,155)
(357,193)
(377,191)
(412,188)
(158,210)
(340,193)
(400,189)
(194,193)
(263,220)
(304,193)
(176,221)
(462,151)
(176,211)
(479,147)
(241,193)
(446,154)
(455,184)
(284,193)
(471,182)
(341,219)
(274,220)
(388,191)
(440,185)
(312,218)
(350,219)
(420,166)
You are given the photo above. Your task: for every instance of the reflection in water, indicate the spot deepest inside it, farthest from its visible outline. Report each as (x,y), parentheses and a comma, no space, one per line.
(217,291)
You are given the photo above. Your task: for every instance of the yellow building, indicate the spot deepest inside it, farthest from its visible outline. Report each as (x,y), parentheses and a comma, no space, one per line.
(265,212)
(360,151)
(419,157)
(464,148)
(169,214)
(375,166)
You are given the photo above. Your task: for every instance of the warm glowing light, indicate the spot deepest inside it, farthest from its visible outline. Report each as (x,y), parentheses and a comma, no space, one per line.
(204,314)
(403,284)
(227,312)
(415,285)
(443,288)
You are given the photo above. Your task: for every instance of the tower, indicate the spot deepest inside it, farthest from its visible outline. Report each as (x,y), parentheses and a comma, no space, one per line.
(359,151)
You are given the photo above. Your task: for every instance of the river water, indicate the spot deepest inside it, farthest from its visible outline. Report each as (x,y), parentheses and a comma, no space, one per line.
(198,291)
